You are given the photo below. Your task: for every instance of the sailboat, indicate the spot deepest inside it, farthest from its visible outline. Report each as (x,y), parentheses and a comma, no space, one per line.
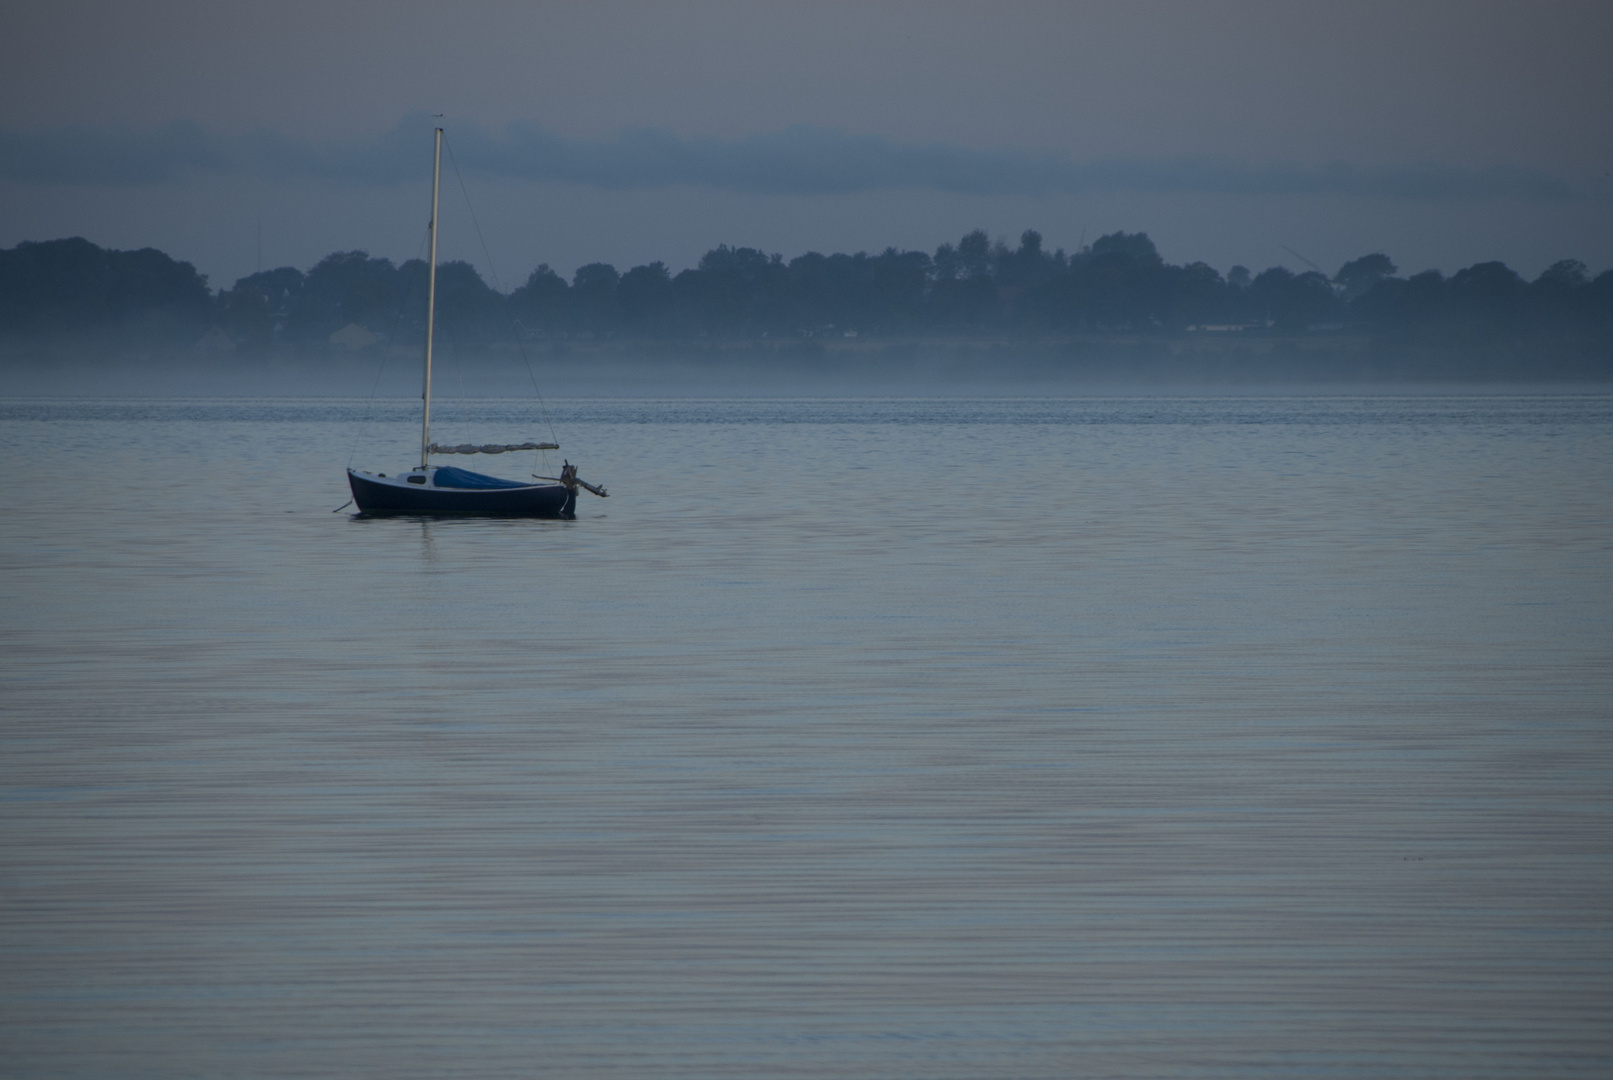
(447,490)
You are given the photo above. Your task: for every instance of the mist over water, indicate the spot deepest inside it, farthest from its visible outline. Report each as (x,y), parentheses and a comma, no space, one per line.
(1004,369)
(1214,736)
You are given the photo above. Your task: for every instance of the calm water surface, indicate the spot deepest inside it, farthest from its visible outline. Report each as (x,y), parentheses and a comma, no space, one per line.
(1238,737)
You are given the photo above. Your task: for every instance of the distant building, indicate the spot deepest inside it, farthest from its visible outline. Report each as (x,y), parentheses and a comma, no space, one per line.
(215,341)
(353,336)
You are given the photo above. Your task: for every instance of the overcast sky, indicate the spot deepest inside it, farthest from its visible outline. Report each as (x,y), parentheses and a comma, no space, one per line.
(1440,133)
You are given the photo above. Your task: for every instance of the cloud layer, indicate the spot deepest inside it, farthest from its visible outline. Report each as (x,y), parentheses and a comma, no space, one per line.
(796,161)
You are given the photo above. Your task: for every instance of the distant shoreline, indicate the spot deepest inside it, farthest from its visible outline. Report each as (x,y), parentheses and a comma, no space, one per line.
(1112,307)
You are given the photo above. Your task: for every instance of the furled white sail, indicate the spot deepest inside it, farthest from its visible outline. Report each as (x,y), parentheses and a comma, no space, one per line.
(490,448)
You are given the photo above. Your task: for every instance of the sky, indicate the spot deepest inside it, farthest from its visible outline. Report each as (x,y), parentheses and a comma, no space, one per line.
(241,136)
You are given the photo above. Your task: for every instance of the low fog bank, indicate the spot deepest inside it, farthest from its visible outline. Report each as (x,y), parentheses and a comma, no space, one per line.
(976,318)
(888,368)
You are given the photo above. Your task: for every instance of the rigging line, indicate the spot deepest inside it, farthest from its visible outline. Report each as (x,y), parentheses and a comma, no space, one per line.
(1303,259)
(543,408)
(397,325)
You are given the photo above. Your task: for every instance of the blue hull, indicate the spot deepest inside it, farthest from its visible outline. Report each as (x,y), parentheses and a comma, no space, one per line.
(538,500)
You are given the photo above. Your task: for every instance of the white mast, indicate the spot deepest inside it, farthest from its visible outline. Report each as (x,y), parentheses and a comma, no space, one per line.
(431,301)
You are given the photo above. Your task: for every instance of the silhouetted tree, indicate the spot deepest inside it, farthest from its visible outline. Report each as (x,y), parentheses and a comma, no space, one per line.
(593,294)
(468,311)
(961,292)
(257,308)
(645,295)
(345,287)
(1489,295)
(74,284)
(1560,297)
(1358,275)
(736,289)
(1135,246)
(974,254)
(1195,295)
(543,304)
(828,288)
(1292,301)
(1402,306)
(1599,303)
(1114,285)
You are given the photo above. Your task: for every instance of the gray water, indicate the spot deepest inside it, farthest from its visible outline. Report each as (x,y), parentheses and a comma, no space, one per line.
(1170,737)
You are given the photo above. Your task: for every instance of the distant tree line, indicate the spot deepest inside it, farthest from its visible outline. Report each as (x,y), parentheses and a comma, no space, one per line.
(1119,284)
